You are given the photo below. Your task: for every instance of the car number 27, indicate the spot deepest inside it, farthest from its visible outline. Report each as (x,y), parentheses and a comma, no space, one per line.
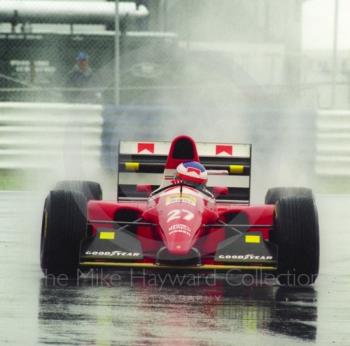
(180,214)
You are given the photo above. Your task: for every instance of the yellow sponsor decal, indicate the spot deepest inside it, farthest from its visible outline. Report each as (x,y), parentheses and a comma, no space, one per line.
(107,235)
(132,166)
(184,198)
(253,239)
(236,169)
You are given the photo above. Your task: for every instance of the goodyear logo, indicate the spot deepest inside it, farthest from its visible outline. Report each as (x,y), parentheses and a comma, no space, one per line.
(255,239)
(107,235)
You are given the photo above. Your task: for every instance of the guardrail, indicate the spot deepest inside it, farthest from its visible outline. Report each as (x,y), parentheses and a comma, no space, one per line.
(37,135)
(333,143)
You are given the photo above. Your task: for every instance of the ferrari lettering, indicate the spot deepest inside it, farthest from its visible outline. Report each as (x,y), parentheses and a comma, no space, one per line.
(246,257)
(112,253)
(176,214)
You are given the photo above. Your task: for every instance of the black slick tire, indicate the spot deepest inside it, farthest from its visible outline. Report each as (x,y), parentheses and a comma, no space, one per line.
(89,189)
(274,194)
(296,234)
(63,228)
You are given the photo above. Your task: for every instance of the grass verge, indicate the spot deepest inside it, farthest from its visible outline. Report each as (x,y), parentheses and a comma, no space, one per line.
(12,180)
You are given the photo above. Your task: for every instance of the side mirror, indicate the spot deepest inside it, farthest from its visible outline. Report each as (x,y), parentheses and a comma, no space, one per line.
(220,191)
(146,188)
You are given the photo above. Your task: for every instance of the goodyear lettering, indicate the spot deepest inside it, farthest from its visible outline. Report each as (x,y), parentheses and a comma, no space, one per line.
(112,253)
(246,257)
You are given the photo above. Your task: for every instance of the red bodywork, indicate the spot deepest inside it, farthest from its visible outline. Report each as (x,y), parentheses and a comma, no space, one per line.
(156,211)
(179,216)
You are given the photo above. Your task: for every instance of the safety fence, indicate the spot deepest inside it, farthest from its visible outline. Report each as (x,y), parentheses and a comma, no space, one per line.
(333,144)
(34,135)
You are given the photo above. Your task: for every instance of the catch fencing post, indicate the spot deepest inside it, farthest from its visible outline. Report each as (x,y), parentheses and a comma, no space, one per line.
(116,55)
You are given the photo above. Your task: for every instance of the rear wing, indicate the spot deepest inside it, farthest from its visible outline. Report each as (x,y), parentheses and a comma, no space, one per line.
(141,163)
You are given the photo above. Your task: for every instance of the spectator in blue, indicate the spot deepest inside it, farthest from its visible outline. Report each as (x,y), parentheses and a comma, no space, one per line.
(79,81)
(81,73)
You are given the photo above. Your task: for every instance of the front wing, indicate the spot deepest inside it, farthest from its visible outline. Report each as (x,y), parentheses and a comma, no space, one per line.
(119,248)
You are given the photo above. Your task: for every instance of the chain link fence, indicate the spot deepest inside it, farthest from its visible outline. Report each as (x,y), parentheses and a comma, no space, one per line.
(79,67)
(178,51)
(60,51)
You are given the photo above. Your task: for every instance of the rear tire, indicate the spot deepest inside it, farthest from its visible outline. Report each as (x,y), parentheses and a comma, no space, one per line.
(274,194)
(297,236)
(89,189)
(63,228)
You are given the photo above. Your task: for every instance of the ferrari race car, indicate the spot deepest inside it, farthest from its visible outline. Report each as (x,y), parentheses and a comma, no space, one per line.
(162,220)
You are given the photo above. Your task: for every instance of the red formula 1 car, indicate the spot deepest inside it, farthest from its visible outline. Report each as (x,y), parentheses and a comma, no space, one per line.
(163,221)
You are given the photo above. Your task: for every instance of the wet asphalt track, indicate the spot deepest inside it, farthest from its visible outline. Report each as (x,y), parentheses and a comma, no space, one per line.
(130,310)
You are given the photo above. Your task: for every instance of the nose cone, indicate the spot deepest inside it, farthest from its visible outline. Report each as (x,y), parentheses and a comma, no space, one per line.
(179,247)
(164,256)
(179,239)
(180,218)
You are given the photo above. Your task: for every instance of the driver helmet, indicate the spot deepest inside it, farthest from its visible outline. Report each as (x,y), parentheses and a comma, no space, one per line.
(192,173)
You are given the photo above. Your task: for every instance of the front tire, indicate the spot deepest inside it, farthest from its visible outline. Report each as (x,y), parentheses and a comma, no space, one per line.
(297,235)
(63,228)
(89,189)
(274,194)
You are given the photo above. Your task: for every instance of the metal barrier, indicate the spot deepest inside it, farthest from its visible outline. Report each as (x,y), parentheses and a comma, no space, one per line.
(333,143)
(34,135)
